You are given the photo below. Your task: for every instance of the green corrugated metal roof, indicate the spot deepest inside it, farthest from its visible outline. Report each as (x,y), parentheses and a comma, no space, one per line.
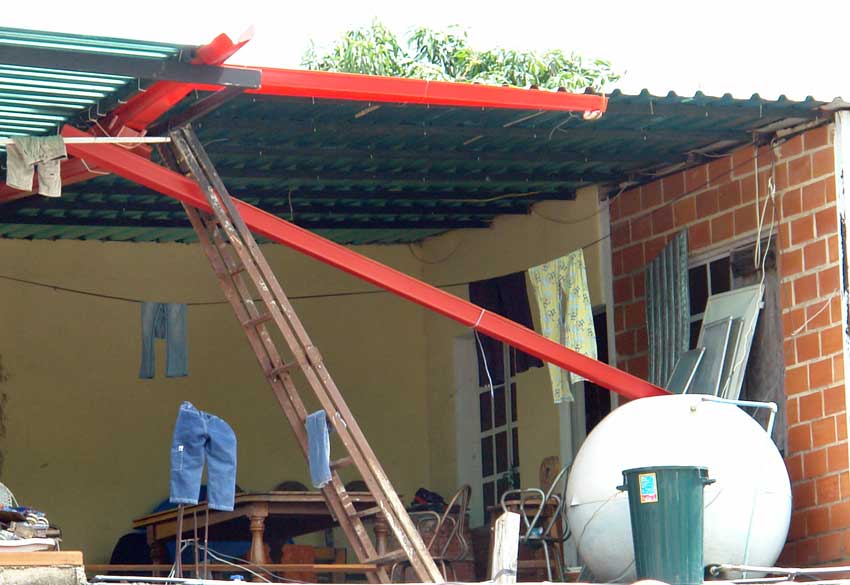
(385,173)
(36,101)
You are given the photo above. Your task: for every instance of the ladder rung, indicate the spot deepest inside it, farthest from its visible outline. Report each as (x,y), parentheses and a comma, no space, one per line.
(257,321)
(387,558)
(284,369)
(342,462)
(234,270)
(369,512)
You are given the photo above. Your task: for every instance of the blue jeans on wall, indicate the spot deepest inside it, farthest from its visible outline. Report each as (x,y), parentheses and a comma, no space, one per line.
(200,436)
(164,321)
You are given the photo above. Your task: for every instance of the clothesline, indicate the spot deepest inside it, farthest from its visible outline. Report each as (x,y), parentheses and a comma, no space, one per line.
(104,140)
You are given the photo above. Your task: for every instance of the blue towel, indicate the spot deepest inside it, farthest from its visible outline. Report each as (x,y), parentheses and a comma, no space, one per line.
(164,321)
(319,448)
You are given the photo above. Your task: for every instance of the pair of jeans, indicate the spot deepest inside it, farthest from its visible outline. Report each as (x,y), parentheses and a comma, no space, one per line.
(200,436)
(164,321)
(319,449)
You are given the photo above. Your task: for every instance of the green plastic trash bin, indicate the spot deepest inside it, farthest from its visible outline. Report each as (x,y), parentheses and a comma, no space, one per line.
(666,511)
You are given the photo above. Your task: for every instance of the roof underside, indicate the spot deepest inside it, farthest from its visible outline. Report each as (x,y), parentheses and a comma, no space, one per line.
(383,173)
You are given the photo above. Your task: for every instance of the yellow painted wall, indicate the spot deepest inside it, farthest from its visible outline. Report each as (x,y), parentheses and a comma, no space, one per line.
(87,442)
(512,244)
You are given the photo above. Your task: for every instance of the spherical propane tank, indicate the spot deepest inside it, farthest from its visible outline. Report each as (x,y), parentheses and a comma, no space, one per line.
(747,509)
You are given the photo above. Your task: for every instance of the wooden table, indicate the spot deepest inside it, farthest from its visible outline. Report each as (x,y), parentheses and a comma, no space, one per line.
(269,516)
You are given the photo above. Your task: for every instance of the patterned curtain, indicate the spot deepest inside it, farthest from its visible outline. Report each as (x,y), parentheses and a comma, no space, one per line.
(668,308)
(566,315)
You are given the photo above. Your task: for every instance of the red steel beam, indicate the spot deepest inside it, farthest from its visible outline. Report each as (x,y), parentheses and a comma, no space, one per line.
(140,170)
(372,88)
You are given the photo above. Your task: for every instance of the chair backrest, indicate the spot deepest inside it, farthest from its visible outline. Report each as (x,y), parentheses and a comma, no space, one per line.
(7,498)
(455,516)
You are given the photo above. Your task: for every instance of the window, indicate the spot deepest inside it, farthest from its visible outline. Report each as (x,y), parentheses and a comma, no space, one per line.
(706,279)
(499,435)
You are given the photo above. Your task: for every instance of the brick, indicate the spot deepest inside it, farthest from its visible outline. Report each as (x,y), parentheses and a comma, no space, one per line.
(684,211)
(722,228)
(630,203)
(699,235)
(635,315)
(837,458)
(823,162)
(745,220)
(829,548)
(707,203)
(833,400)
(653,247)
(814,464)
(793,320)
(816,138)
(719,169)
(805,288)
(817,521)
(800,170)
(791,263)
(633,257)
(795,467)
(781,173)
(740,158)
(814,195)
(614,212)
(817,317)
(625,342)
(729,195)
(835,310)
(828,280)
(802,230)
(622,289)
(651,195)
(820,373)
(789,352)
(798,526)
(788,556)
(800,438)
(832,246)
(796,380)
(673,186)
(662,220)
(792,147)
(841,431)
(696,178)
(619,318)
(811,406)
(808,348)
(638,366)
(826,489)
(621,235)
(807,552)
(786,294)
(823,433)
(641,228)
(641,340)
(831,340)
(617,262)
(748,189)
(792,411)
(839,516)
(804,494)
(792,202)
(639,285)
(814,254)
(784,235)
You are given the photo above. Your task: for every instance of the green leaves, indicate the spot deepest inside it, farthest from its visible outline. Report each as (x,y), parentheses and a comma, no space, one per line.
(446,55)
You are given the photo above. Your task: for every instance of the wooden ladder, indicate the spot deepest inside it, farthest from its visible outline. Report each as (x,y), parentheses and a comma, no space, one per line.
(243,272)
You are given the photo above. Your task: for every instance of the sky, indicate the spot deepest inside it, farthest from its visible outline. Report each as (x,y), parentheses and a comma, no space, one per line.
(739,47)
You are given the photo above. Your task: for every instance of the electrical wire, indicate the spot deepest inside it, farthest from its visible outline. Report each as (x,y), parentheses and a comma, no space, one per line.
(441,260)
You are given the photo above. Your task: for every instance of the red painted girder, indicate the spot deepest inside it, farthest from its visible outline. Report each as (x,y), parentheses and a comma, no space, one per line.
(144,108)
(140,170)
(372,88)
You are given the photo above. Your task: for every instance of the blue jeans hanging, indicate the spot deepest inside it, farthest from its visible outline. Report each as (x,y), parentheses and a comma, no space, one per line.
(164,321)
(200,436)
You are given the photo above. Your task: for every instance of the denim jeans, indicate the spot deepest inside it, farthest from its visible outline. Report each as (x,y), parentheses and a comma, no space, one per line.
(164,321)
(200,436)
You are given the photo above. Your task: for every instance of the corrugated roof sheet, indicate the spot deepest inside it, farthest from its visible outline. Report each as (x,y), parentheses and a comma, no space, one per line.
(36,101)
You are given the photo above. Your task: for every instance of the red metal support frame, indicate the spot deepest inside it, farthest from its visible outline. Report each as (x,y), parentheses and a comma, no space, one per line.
(144,172)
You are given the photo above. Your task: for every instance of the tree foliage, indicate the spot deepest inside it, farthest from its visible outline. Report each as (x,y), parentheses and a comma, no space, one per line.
(446,55)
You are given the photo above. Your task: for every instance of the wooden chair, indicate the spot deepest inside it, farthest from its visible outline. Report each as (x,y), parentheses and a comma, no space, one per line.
(447,543)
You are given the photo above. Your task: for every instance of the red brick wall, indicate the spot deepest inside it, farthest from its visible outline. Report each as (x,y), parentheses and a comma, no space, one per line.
(716,203)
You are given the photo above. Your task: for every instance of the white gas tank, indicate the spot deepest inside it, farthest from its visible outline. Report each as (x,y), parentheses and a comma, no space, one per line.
(747,509)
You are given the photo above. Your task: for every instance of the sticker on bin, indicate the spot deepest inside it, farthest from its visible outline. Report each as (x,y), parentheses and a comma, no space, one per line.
(648,488)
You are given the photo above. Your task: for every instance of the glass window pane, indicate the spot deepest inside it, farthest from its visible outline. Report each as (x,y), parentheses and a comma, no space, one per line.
(499,404)
(695,327)
(502,452)
(485,411)
(489,497)
(721,277)
(698,285)
(513,403)
(515,446)
(502,485)
(486,456)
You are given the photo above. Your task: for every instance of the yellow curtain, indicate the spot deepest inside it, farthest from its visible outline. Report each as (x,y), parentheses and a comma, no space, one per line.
(566,316)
